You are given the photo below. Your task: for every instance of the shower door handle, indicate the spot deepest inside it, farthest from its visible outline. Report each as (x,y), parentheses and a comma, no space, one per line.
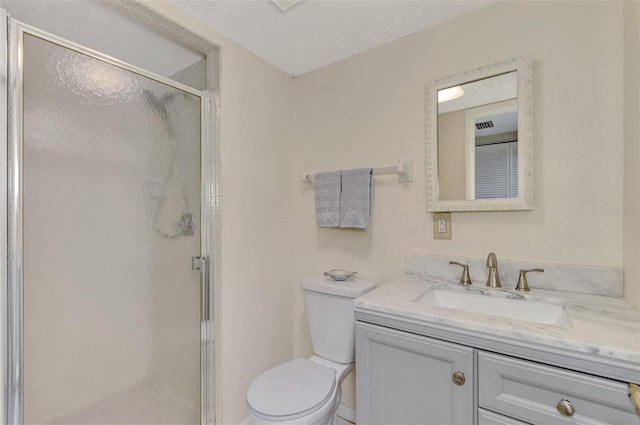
(201,264)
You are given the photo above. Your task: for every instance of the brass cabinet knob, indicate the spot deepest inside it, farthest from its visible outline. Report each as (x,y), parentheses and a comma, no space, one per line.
(458,378)
(565,407)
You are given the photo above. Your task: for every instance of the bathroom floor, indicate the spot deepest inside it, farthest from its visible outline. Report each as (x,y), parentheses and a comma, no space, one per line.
(340,421)
(145,404)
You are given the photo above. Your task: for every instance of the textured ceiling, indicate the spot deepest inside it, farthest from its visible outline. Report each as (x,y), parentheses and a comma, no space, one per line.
(315,33)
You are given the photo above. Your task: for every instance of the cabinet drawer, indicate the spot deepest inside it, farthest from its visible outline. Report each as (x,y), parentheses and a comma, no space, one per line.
(531,392)
(486,417)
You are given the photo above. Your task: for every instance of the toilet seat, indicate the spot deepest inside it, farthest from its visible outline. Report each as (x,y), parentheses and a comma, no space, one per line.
(291,390)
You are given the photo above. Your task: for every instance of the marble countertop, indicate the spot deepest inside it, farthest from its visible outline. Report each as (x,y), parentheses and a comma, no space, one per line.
(601,326)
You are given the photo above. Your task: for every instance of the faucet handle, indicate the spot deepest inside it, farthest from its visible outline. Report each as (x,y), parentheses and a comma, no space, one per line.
(523,285)
(464,278)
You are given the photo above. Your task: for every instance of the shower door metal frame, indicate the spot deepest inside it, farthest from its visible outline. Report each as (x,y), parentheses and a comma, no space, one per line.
(11,234)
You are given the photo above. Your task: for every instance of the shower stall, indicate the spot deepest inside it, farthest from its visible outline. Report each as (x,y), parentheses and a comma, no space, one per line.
(106,308)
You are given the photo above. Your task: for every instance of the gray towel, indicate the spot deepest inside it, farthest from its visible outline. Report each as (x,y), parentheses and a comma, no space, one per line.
(328,187)
(355,199)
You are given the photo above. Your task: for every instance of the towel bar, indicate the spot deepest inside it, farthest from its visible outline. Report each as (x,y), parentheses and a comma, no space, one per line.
(403,169)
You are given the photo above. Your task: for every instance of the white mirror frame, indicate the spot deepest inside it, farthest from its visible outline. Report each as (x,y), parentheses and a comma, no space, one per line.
(524,67)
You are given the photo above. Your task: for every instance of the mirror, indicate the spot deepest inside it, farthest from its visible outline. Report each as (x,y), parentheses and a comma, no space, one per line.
(480,140)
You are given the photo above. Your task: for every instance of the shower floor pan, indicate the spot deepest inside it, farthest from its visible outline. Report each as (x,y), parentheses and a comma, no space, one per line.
(145,404)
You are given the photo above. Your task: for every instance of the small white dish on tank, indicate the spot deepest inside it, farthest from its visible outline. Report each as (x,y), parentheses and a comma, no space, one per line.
(340,275)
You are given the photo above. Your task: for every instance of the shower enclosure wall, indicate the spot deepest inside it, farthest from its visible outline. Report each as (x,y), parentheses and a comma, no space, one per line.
(108,240)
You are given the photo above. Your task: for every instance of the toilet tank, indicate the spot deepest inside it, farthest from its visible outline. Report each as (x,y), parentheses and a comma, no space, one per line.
(329,307)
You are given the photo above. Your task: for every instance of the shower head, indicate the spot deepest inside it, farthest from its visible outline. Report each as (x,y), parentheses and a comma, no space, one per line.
(159,104)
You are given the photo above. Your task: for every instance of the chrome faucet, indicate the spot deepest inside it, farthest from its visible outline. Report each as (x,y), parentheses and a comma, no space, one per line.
(493,280)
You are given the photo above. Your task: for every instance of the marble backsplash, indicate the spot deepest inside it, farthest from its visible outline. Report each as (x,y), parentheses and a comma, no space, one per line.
(606,281)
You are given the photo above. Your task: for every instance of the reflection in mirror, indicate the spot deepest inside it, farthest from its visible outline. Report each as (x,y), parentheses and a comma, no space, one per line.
(478,139)
(473,146)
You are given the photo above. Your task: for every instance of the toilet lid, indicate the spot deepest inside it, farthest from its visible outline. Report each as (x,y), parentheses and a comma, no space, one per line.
(292,388)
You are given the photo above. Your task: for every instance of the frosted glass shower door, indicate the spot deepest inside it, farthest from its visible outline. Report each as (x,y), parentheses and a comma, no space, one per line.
(111,219)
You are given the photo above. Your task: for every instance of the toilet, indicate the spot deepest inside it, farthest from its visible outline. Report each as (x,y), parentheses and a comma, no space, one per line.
(307,391)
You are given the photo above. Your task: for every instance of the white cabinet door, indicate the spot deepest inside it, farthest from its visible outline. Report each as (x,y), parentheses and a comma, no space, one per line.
(404,378)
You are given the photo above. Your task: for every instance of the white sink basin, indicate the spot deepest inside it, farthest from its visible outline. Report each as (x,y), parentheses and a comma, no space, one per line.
(528,311)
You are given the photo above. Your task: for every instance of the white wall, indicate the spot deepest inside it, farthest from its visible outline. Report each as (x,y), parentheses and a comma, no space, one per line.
(632,151)
(370,110)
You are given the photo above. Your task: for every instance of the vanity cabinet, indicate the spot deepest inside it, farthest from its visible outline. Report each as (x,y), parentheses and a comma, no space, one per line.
(404,378)
(409,379)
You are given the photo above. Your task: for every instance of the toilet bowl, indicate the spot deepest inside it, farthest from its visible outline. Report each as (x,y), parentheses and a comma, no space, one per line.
(307,391)
(302,391)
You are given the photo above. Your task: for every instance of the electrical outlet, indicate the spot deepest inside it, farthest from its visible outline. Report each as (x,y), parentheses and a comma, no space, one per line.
(442,225)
